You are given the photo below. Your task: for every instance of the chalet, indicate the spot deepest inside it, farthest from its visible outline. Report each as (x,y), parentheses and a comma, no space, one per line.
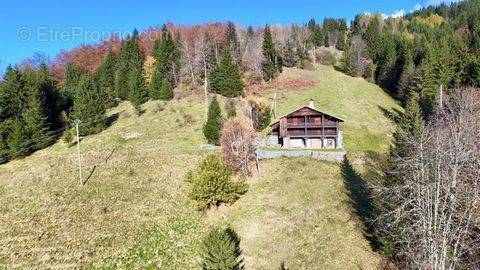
(307,127)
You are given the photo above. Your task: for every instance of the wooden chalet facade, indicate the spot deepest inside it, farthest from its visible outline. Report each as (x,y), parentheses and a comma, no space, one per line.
(307,127)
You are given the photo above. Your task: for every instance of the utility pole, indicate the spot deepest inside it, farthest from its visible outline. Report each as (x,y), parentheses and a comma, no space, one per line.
(77,122)
(274,105)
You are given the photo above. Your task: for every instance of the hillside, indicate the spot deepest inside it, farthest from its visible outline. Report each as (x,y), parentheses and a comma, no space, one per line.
(133,210)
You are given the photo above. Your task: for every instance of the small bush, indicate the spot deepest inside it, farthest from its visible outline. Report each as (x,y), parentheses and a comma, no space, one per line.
(67,136)
(261,115)
(211,183)
(326,58)
(221,250)
(230,108)
(369,72)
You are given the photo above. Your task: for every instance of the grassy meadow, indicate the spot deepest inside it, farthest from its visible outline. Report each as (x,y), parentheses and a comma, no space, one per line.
(133,212)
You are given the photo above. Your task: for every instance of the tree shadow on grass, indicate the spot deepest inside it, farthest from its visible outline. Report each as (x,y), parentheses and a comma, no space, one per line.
(361,199)
(394,114)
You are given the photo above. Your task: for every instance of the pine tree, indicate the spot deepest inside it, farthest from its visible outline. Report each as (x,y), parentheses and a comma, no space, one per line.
(18,139)
(221,250)
(232,43)
(166,91)
(52,102)
(166,53)
(225,79)
(373,39)
(88,107)
(410,125)
(213,126)
(270,65)
(35,117)
(137,93)
(316,34)
(72,77)
(122,73)
(105,78)
(349,61)
(13,96)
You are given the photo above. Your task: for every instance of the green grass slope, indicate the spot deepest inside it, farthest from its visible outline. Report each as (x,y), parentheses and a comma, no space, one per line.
(361,104)
(133,212)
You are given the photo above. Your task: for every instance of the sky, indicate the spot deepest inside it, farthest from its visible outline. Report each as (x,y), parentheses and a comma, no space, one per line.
(49,26)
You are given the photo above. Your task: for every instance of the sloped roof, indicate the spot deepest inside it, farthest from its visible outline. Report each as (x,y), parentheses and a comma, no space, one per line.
(306,106)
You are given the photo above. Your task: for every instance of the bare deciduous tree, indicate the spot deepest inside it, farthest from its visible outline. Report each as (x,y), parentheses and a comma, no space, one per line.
(431,211)
(237,140)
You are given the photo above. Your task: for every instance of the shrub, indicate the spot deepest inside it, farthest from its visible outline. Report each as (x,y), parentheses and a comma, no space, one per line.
(221,250)
(326,58)
(230,108)
(237,145)
(211,183)
(261,115)
(67,136)
(369,72)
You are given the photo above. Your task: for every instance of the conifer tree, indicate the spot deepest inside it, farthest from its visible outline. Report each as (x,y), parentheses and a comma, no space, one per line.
(167,63)
(410,125)
(348,61)
(225,79)
(35,117)
(270,65)
(13,96)
(18,139)
(88,107)
(373,39)
(221,250)
(316,34)
(52,100)
(213,126)
(166,91)
(123,71)
(137,93)
(72,77)
(105,78)
(232,43)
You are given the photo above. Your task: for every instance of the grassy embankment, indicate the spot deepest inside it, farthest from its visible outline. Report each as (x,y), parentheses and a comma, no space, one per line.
(134,212)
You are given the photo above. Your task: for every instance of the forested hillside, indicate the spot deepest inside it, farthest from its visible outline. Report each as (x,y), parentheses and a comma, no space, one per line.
(148,103)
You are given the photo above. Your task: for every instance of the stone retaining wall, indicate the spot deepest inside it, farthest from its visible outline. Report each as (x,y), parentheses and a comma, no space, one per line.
(328,156)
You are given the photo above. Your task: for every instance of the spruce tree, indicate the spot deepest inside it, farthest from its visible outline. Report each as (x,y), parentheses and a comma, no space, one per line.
(52,99)
(270,65)
(18,139)
(137,93)
(88,107)
(316,34)
(72,77)
(166,90)
(167,55)
(232,43)
(373,39)
(225,79)
(35,117)
(213,126)
(221,250)
(13,96)
(349,61)
(105,78)
(410,125)
(123,71)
